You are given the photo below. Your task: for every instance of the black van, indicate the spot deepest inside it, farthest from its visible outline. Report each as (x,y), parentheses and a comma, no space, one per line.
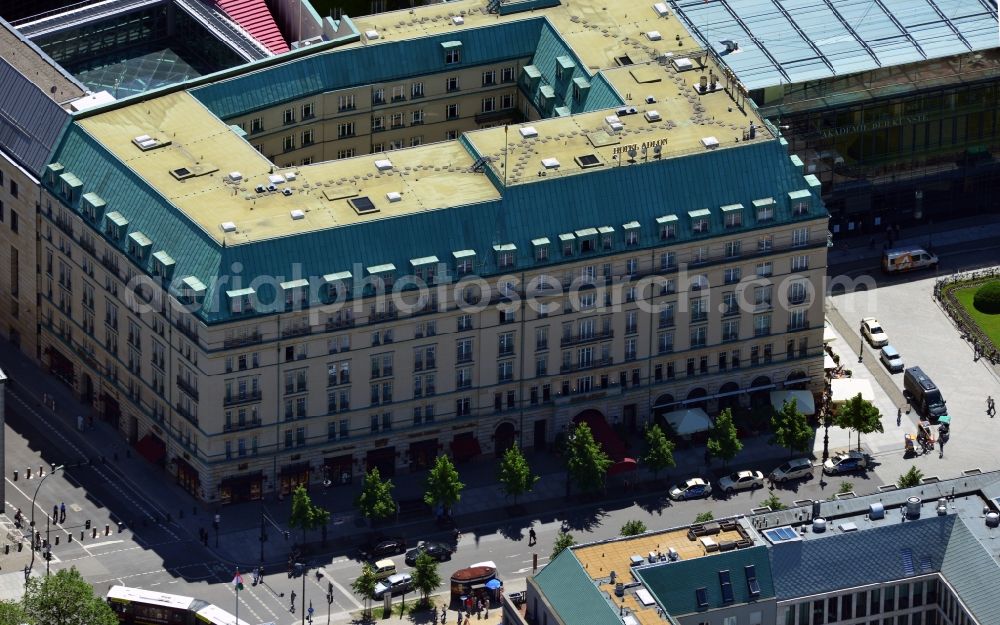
(923,393)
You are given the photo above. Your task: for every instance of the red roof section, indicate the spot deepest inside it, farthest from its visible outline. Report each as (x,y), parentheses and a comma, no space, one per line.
(256,19)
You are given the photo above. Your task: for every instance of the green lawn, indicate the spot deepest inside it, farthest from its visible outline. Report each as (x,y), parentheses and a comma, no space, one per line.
(990,324)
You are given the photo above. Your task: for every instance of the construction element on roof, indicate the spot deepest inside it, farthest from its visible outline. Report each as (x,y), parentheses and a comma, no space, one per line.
(256,19)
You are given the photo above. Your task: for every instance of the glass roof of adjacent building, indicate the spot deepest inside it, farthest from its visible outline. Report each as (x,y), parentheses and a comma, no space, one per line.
(793,41)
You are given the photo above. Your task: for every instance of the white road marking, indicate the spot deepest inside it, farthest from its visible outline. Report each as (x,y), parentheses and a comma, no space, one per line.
(107,542)
(350,596)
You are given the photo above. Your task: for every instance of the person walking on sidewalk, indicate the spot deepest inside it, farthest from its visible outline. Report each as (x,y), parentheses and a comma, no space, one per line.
(62,512)
(292,607)
(532,537)
(990,407)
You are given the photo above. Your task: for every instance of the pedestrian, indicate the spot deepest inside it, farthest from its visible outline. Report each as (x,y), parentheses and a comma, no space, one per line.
(292,607)
(990,406)
(899,416)
(62,512)
(532,537)
(55,513)
(444,614)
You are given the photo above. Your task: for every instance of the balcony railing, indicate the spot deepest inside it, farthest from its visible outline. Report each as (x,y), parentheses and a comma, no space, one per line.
(246,425)
(586,337)
(337,324)
(240,341)
(298,331)
(592,364)
(188,388)
(187,415)
(241,398)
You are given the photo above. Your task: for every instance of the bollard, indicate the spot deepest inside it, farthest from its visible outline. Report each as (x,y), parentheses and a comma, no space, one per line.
(27,473)
(20,546)
(6,549)
(120,528)
(69,538)
(15,475)
(107,529)
(81,534)
(57,539)
(94,534)
(40,472)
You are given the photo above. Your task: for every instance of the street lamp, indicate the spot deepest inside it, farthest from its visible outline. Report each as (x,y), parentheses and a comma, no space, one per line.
(302,568)
(827,422)
(33,498)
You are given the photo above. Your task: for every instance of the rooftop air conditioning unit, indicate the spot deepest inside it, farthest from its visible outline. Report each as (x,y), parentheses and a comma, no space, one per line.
(234,176)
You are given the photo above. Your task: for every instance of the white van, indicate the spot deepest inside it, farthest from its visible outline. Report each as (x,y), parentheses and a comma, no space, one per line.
(907,259)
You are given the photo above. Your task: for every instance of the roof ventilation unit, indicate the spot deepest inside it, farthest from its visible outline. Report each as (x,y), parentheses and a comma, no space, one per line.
(654,35)
(371,35)
(290,176)
(992,519)
(297,214)
(710,142)
(528,132)
(393,196)
(228,226)
(683,64)
(913,507)
(286,192)
(383,164)
(145,142)
(458,20)
(587,161)
(234,177)
(362,205)
(661,9)
(876,511)
(550,163)
(614,123)
(652,116)
(819,525)
(275,178)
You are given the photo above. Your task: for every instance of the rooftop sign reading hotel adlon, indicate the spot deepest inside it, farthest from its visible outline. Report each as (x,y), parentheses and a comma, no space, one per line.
(638,147)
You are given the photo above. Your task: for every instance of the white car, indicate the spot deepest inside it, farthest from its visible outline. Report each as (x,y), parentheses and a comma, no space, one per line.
(792,470)
(695,488)
(741,480)
(872,330)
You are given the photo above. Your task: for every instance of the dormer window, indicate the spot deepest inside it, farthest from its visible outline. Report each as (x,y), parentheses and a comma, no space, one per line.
(163,264)
(93,207)
(191,290)
(465,261)
(631,233)
(567,242)
(383,275)
(588,239)
(668,227)
(564,67)
(296,293)
(506,255)
(764,209)
(70,187)
(425,268)
(337,286)
(115,225)
(452,52)
(541,249)
(241,301)
(799,202)
(732,215)
(138,245)
(607,234)
(700,220)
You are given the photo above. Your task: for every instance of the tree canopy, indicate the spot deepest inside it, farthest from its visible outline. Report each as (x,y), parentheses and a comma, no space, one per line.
(515,475)
(564,540)
(443,488)
(860,415)
(913,477)
(306,515)
(791,428)
(426,577)
(723,443)
(63,598)
(659,451)
(375,500)
(586,462)
(364,585)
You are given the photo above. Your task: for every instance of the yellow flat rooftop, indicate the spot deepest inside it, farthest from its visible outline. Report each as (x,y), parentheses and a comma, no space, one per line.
(431,177)
(648,58)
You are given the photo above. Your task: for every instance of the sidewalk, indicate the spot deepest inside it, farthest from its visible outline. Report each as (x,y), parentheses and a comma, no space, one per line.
(953,232)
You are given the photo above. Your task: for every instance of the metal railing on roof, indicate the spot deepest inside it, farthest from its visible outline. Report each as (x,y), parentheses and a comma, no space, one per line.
(87,14)
(222,27)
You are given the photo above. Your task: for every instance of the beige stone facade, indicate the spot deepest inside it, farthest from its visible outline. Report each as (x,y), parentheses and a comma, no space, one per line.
(18,198)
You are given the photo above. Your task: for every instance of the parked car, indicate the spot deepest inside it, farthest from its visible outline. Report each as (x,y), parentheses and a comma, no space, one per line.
(382,547)
(438,551)
(741,480)
(891,359)
(845,462)
(925,396)
(872,330)
(394,585)
(691,489)
(792,470)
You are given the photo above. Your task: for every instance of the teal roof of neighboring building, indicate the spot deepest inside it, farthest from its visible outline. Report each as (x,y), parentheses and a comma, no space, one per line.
(680,599)
(572,594)
(973,573)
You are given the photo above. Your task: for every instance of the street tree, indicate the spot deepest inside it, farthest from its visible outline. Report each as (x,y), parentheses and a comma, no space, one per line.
(773,503)
(791,428)
(515,475)
(305,514)
(704,517)
(723,443)
(913,477)
(364,586)
(426,577)
(443,488)
(64,598)
(586,462)
(11,613)
(375,500)
(659,451)
(633,527)
(564,540)
(860,415)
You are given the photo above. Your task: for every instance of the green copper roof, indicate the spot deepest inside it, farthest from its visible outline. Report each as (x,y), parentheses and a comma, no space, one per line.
(569,590)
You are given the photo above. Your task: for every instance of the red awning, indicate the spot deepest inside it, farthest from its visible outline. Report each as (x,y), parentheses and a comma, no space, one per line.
(466,447)
(151,448)
(623,466)
(603,433)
